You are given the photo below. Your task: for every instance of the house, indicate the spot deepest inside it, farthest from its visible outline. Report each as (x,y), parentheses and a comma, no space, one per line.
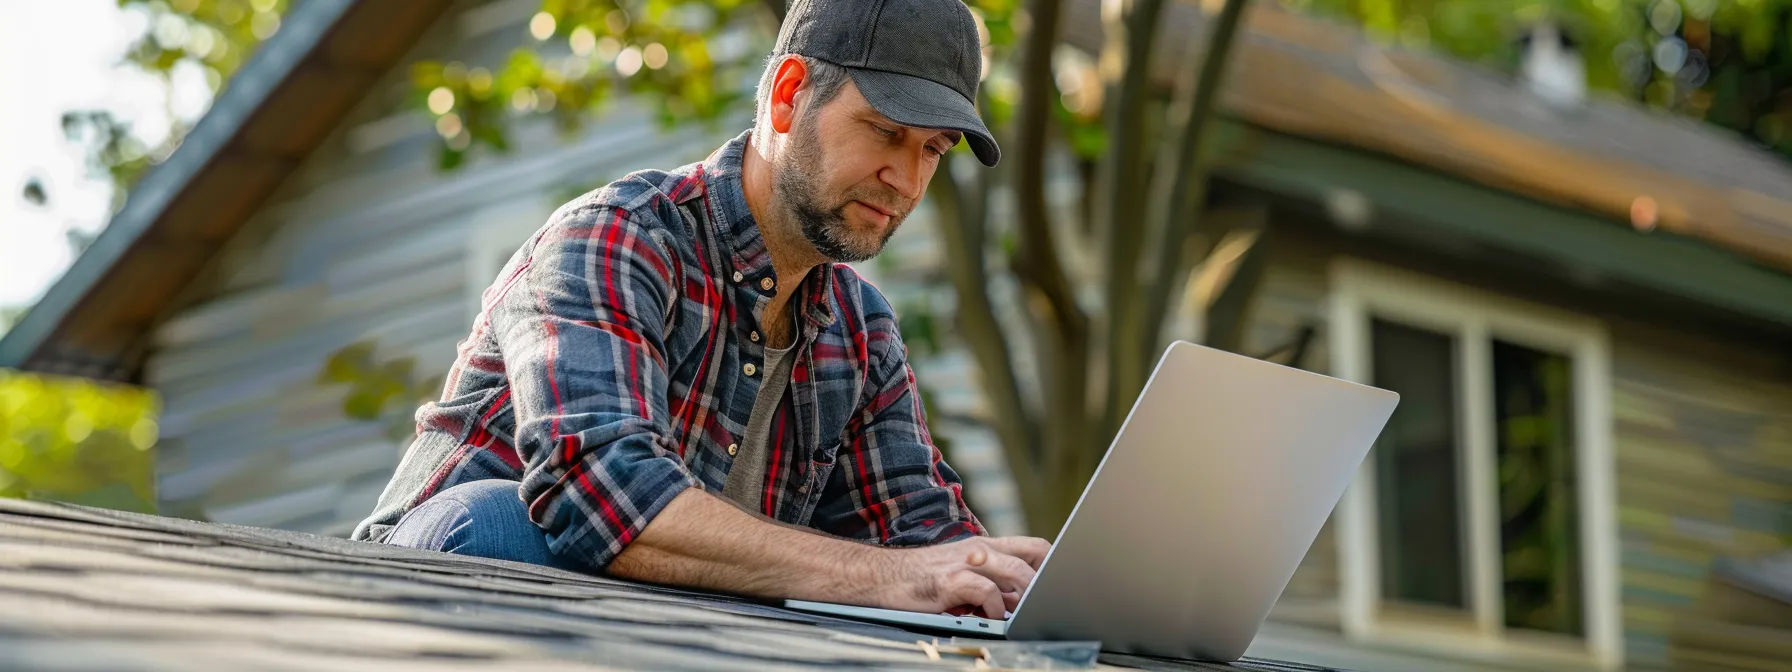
(1588,311)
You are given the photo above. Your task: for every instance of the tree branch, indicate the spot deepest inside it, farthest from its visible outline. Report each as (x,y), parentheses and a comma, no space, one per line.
(1173,210)
(1123,179)
(1038,245)
(1063,357)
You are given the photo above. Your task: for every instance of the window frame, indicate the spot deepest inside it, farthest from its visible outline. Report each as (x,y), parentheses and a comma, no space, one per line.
(1362,291)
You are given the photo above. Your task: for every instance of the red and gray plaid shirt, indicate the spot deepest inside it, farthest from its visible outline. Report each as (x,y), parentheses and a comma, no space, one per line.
(616,360)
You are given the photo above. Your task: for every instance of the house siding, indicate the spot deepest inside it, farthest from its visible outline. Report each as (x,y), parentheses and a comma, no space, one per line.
(1704,462)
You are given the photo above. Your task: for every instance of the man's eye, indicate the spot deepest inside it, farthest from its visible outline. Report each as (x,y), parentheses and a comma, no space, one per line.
(886,132)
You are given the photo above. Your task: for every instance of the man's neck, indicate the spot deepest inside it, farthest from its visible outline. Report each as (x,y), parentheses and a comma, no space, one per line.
(792,254)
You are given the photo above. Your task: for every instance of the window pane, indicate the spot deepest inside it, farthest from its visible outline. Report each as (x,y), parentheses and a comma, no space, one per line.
(1416,462)
(1539,529)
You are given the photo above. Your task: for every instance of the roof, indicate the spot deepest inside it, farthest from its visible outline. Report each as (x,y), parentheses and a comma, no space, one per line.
(1307,77)
(1314,78)
(282,104)
(85,588)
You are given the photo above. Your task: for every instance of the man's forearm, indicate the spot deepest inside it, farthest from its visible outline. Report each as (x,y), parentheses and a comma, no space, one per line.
(700,541)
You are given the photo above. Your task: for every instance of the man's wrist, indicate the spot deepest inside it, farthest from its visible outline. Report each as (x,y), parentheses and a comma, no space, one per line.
(849,571)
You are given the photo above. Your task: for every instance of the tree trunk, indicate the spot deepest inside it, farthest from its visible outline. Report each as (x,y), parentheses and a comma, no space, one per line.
(1062,341)
(1173,214)
(1126,57)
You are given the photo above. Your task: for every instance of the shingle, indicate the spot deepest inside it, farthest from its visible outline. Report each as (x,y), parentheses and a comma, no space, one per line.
(84,589)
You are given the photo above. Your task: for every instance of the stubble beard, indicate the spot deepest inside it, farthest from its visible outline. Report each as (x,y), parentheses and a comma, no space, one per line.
(797,187)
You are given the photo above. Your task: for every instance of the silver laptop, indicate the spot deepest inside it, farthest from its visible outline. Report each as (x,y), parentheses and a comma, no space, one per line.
(1212,492)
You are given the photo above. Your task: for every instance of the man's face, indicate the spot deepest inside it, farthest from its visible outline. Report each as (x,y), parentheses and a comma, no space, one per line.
(849,176)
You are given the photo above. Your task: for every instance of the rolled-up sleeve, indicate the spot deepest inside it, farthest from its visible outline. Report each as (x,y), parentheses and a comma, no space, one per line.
(891,484)
(581,325)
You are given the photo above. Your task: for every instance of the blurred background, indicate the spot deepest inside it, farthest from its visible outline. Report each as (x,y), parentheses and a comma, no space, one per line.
(240,239)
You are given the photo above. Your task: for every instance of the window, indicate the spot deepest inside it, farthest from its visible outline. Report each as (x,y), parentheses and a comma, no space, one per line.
(1483,518)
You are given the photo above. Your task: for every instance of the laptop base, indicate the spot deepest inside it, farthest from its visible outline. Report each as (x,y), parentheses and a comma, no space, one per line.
(961,625)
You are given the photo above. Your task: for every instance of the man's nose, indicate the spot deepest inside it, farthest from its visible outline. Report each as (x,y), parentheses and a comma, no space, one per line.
(907,174)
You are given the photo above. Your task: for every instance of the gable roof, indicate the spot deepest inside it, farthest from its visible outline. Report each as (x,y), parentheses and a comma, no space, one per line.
(279,107)
(1307,78)
(85,588)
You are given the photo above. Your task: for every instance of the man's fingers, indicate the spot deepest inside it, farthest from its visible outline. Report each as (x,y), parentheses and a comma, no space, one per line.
(1010,601)
(979,592)
(1032,550)
(992,603)
(1008,572)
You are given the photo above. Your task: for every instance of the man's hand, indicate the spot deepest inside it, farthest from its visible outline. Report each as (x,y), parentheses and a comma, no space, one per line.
(700,541)
(986,573)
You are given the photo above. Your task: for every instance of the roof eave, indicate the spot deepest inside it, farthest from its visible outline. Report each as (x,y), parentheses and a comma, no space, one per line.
(301,30)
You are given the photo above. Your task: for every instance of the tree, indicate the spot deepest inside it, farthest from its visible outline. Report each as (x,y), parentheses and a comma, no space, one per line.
(1143,201)
(77,441)
(1728,62)
(211,37)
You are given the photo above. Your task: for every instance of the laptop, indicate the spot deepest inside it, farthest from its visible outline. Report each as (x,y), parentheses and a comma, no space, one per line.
(1213,490)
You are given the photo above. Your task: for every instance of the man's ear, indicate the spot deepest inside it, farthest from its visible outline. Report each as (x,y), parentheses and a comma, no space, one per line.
(792,77)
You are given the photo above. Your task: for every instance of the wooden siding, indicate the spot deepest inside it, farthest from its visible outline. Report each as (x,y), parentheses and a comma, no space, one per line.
(1704,462)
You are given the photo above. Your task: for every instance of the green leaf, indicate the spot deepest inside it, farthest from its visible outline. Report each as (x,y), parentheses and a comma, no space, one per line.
(364,404)
(70,439)
(450,158)
(399,370)
(348,365)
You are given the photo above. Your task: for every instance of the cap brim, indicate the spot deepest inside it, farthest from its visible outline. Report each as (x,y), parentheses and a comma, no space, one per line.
(924,103)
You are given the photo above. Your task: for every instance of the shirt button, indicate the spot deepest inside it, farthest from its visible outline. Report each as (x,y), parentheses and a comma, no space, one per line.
(750,369)
(803,489)
(733,448)
(738,277)
(767,284)
(754,336)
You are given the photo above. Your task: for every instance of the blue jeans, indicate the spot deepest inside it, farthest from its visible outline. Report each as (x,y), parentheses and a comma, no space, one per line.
(481,518)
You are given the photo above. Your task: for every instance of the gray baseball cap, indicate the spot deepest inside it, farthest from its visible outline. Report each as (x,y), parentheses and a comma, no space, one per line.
(916,61)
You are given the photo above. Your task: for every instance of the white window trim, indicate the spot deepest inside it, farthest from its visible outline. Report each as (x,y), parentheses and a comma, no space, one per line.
(495,233)
(1360,289)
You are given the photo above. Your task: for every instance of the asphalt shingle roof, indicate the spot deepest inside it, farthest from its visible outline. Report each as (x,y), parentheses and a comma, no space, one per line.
(84,588)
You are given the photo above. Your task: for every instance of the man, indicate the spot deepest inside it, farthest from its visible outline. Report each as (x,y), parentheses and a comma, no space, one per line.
(676,380)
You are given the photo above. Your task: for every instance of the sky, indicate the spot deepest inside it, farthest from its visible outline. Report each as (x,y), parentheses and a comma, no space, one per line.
(57,56)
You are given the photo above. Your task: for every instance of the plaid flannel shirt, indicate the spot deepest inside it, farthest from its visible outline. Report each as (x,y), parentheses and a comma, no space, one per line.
(616,360)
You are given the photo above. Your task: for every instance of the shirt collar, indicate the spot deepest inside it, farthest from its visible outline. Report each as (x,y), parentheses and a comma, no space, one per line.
(735,225)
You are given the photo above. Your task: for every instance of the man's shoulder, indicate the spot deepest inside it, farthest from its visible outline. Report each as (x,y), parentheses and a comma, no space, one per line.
(648,199)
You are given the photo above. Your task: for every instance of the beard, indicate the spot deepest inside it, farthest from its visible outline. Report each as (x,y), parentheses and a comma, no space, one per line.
(798,187)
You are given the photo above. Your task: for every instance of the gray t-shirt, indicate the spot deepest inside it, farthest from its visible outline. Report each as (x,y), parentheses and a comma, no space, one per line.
(746,477)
